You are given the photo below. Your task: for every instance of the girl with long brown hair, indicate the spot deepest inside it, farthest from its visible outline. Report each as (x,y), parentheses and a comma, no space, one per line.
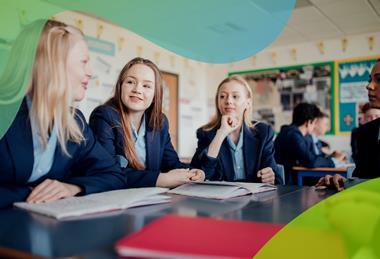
(132,127)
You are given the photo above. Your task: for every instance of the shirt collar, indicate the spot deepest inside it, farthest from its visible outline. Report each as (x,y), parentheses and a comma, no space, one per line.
(240,142)
(141,132)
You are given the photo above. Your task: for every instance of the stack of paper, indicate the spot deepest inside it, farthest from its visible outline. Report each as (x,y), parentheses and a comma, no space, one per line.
(221,190)
(99,202)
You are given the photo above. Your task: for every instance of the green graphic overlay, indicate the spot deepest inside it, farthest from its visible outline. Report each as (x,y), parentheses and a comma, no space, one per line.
(214,31)
(346,225)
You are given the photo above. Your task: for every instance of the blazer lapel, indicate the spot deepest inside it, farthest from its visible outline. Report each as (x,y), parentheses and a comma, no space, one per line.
(20,142)
(251,156)
(226,159)
(60,161)
(152,142)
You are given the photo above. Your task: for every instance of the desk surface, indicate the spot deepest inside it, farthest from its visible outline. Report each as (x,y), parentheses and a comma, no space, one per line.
(94,236)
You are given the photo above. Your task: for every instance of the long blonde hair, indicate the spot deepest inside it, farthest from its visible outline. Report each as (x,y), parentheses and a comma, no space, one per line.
(154,112)
(216,119)
(49,85)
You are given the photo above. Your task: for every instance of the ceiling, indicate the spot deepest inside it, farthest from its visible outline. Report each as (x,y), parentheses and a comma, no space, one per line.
(324,19)
(199,30)
(234,25)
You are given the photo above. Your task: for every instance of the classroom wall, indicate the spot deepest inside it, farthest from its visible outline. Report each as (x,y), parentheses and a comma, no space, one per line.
(193,75)
(308,52)
(198,81)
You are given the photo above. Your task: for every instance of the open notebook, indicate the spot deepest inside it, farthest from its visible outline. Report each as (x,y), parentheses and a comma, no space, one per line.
(220,189)
(99,202)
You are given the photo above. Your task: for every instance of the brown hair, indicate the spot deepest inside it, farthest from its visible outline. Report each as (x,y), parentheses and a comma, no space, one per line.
(216,119)
(154,112)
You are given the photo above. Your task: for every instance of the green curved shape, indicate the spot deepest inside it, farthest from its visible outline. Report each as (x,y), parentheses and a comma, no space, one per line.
(346,225)
(17,51)
(215,31)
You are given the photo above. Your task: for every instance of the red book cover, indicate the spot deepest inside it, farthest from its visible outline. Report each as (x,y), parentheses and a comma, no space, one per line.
(194,237)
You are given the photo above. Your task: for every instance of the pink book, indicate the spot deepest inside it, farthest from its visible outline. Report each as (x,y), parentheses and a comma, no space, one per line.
(196,237)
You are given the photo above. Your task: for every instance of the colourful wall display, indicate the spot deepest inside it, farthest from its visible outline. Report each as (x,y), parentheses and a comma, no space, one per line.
(351,80)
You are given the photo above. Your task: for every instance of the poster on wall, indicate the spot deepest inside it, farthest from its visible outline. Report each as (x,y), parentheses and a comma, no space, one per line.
(352,79)
(276,91)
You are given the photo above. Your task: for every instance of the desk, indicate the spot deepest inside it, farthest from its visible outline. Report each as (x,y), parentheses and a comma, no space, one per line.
(94,236)
(317,172)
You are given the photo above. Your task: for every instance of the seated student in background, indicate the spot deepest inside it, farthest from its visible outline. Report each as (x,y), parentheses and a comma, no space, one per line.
(230,148)
(49,152)
(321,126)
(132,127)
(318,146)
(291,146)
(369,114)
(368,136)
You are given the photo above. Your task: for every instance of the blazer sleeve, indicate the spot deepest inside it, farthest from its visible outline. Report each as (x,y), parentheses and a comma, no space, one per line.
(170,159)
(9,195)
(96,170)
(200,159)
(267,157)
(305,155)
(140,178)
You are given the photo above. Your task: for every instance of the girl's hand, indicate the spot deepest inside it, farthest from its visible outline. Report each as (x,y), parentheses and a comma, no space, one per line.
(267,175)
(228,124)
(198,175)
(51,190)
(174,178)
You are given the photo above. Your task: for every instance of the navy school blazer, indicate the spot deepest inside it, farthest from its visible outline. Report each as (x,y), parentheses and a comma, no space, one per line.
(258,153)
(368,150)
(160,154)
(89,165)
(354,144)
